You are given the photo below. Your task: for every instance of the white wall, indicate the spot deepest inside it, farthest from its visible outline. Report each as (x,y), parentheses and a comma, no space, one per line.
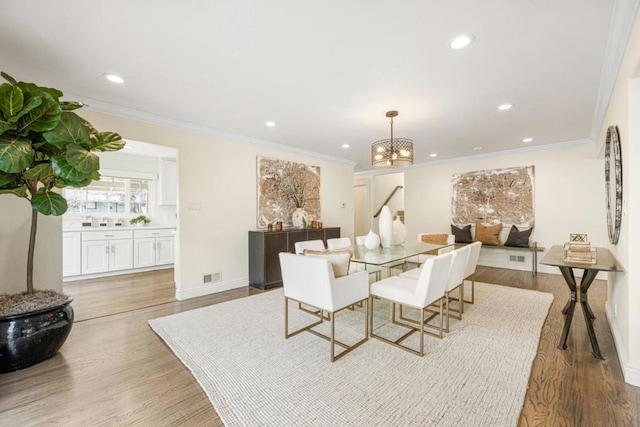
(14,244)
(217,199)
(623,299)
(569,194)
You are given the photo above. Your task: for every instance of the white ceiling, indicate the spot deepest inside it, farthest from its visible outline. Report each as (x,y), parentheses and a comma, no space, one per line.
(327,71)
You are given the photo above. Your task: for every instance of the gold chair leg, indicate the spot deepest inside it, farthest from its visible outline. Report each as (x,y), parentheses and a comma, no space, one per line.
(446,301)
(318,313)
(420,329)
(333,341)
(473,291)
(286,322)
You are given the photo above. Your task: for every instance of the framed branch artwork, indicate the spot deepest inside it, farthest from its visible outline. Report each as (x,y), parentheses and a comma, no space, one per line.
(494,195)
(283,187)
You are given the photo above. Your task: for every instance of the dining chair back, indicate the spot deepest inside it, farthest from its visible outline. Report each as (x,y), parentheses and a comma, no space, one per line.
(339,243)
(314,245)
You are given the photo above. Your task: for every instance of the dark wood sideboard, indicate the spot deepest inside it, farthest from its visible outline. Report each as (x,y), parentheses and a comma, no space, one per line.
(264,247)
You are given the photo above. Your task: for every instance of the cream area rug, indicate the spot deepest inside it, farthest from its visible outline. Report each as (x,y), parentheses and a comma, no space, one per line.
(476,376)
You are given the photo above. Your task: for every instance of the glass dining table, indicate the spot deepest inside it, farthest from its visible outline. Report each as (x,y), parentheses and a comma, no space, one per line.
(387,258)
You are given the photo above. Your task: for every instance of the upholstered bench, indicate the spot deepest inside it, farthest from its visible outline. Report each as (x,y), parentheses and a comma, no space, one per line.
(514,253)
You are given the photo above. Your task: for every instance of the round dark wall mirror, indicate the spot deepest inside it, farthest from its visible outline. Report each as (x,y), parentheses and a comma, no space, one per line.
(613,182)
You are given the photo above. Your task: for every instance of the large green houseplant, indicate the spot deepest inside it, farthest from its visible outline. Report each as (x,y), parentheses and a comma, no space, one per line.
(44,146)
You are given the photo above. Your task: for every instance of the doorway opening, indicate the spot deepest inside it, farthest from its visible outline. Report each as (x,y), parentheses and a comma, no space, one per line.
(120,235)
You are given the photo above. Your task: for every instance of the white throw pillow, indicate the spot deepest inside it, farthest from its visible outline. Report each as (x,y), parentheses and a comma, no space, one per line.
(340,260)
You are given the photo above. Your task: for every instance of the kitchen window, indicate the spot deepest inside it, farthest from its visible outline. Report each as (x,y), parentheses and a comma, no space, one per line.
(110,195)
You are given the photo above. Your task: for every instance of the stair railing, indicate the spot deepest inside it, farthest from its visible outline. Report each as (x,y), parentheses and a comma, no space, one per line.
(388,198)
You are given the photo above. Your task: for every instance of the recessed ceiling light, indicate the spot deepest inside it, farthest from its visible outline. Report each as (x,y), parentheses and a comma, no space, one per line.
(463,40)
(527,140)
(345,146)
(433,155)
(478,148)
(270,124)
(504,107)
(114,78)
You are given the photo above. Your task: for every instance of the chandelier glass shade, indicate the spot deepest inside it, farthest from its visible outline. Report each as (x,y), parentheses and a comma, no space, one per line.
(393,151)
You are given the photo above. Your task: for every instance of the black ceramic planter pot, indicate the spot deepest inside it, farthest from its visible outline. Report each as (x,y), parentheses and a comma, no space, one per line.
(30,338)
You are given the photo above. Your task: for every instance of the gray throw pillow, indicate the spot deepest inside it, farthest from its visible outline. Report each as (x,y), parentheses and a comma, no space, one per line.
(517,238)
(463,235)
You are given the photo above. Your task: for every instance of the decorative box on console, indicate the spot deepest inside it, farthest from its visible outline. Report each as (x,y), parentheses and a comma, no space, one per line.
(579,252)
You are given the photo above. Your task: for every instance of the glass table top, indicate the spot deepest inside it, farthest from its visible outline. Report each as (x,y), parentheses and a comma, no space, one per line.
(382,256)
(605,261)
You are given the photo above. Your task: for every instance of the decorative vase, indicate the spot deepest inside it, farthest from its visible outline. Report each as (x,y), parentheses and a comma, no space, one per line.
(299,218)
(399,232)
(385,226)
(30,338)
(371,241)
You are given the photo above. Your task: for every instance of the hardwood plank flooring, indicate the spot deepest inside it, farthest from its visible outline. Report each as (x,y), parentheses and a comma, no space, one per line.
(119,294)
(113,370)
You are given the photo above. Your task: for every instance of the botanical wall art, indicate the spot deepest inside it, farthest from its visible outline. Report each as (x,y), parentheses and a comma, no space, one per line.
(285,186)
(492,196)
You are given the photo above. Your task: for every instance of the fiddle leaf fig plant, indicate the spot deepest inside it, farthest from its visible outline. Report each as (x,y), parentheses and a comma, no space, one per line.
(44,146)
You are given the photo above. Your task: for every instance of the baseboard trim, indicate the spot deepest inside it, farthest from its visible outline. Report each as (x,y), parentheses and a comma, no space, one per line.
(210,289)
(630,372)
(632,375)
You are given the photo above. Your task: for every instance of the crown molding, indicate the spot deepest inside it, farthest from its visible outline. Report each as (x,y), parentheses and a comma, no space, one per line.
(622,19)
(141,116)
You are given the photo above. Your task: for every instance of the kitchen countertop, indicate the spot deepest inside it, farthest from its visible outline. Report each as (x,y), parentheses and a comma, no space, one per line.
(146,227)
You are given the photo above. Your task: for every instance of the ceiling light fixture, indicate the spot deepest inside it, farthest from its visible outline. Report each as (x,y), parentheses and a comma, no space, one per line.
(270,124)
(345,145)
(114,78)
(527,140)
(462,41)
(433,155)
(393,151)
(504,107)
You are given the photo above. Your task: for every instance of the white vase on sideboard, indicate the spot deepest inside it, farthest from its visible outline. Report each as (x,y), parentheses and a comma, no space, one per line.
(385,226)
(299,218)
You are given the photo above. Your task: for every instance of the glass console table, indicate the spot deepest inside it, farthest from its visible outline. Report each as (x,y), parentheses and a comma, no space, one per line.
(605,261)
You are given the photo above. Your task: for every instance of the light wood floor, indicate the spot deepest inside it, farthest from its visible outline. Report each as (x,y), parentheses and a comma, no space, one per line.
(113,370)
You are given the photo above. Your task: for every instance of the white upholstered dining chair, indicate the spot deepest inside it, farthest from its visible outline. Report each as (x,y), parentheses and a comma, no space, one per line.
(339,243)
(310,280)
(418,293)
(459,264)
(470,270)
(314,245)
(345,243)
(455,281)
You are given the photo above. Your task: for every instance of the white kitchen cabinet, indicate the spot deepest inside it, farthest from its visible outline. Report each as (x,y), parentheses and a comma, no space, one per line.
(104,251)
(71,254)
(153,247)
(167,182)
